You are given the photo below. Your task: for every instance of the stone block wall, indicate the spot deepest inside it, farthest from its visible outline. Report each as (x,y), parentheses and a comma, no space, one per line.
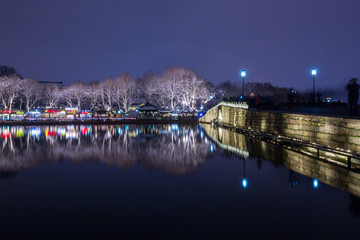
(331,131)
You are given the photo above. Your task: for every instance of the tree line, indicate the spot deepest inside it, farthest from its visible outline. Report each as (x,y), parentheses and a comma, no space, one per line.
(175,88)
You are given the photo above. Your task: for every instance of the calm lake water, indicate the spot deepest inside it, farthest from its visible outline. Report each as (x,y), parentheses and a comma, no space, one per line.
(167,181)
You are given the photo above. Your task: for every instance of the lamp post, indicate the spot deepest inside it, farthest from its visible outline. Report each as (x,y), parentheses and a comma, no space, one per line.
(243,75)
(313,73)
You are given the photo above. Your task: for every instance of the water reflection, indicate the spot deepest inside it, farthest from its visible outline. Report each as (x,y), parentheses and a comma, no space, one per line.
(298,163)
(354,206)
(178,150)
(223,199)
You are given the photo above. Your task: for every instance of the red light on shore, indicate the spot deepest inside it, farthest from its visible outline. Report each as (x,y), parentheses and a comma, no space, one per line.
(6,111)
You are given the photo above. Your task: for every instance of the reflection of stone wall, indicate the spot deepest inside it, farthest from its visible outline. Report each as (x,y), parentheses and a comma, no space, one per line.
(330,174)
(331,131)
(231,142)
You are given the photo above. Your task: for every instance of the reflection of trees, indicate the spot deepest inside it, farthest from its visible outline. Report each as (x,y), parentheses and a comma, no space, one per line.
(178,150)
(176,153)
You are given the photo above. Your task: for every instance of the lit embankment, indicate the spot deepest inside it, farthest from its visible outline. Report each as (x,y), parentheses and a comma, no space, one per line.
(299,161)
(330,131)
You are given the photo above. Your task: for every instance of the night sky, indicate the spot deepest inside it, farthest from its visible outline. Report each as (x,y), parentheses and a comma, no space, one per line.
(278,41)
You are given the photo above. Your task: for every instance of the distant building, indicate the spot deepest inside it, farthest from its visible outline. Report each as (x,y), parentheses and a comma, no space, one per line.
(137,104)
(148,110)
(60,84)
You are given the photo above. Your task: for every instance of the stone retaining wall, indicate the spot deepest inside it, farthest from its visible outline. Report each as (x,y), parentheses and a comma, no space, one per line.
(331,131)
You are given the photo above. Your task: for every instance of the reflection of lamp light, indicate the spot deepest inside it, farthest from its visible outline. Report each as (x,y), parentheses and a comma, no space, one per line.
(244,180)
(316,183)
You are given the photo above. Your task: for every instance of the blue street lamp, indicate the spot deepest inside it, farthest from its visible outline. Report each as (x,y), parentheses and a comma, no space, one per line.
(243,75)
(314,73)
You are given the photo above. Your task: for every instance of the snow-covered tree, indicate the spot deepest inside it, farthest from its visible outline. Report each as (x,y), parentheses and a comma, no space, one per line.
(182,87)
(93,93)
(75,95)
(169,87)
(124,89)
(52,95)
(147,87)
(106,93)
(31,92)
(10,87)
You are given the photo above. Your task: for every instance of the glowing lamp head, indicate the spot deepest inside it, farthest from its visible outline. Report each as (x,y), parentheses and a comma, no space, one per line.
(244,182)
(314,72)
(243,73)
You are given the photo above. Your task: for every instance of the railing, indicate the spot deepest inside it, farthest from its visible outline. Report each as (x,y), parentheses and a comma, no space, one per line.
(345,158)
(243,105)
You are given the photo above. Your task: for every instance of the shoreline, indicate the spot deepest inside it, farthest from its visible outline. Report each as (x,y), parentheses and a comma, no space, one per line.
(98,122)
